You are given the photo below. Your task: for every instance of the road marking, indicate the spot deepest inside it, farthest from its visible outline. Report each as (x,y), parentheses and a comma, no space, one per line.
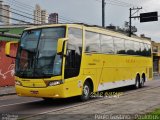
(62,108)
(90,101)
(19,103)
(8,97)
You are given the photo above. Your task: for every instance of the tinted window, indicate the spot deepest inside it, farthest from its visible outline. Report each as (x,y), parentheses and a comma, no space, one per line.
(129,47)
(107,44)
(149,50)
(119,45)
(143,50)
(92,42)
(137,48)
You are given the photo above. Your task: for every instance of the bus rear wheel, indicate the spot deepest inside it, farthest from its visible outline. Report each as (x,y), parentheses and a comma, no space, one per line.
(142,82)
(137,82)
(86,91)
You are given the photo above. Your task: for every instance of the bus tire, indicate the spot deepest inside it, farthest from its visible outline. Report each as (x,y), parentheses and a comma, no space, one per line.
(86,91)
(142,82)
(137,82)
(47,99)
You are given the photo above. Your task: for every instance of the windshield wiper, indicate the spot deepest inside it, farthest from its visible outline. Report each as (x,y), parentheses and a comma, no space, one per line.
(20,73)
(41,74)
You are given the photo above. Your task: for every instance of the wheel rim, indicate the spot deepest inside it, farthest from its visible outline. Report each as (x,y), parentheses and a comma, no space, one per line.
(142,82)
(86,91)
(137,84)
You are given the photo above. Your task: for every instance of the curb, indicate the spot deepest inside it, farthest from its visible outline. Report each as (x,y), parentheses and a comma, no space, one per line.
(7,94)
(6,91)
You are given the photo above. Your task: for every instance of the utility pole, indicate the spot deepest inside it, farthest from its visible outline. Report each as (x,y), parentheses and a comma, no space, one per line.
(130,18)
(103,13)
(130,22)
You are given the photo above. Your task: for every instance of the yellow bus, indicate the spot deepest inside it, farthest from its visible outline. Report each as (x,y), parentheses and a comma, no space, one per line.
(65,60)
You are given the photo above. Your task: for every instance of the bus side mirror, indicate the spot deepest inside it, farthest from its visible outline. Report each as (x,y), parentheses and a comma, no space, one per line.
(8,49)
(60,45)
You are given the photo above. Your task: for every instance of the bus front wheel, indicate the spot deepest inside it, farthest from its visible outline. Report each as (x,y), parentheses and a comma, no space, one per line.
(48,99)
(86,91)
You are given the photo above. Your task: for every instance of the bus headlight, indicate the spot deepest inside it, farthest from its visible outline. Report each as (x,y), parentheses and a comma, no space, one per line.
(54,83)
(18,83)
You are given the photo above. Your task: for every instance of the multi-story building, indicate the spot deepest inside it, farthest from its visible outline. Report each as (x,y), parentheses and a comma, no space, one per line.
(40,16)
(44,17)
(53,18)
(37,15)
(1,10)
(156,57)
(5,13)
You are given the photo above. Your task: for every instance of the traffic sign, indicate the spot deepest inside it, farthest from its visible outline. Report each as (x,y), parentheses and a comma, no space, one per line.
(148,17)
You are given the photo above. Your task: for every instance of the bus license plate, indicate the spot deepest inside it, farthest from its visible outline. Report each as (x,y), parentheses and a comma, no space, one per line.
(34,92)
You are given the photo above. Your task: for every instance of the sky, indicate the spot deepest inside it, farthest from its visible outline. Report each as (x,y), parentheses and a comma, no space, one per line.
(90,12)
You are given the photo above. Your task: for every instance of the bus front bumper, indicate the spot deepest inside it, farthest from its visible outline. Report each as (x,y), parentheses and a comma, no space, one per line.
(47,92)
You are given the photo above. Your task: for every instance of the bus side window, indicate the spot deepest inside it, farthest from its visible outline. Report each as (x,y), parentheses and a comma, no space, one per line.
(143,50)
(129,46)
(137,48)
(149,50)
(107,45)
(92,42)
(119,45)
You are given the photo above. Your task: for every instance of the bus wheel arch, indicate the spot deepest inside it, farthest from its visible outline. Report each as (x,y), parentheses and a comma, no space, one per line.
(89,80)
(87,89)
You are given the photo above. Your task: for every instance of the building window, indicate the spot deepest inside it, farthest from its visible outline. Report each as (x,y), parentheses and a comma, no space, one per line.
(155,48)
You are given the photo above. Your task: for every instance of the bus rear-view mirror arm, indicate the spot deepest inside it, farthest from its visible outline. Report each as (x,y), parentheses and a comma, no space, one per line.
(61,45)
(8,51)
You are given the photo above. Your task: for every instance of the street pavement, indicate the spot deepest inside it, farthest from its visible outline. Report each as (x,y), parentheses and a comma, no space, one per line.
(7,90)
(131,103)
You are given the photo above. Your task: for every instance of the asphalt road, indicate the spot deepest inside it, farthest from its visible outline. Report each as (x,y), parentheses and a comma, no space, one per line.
(27,106)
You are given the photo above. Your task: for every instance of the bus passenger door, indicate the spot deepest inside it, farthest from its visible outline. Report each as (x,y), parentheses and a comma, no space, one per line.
(73,61)
(73,53)
(72,65)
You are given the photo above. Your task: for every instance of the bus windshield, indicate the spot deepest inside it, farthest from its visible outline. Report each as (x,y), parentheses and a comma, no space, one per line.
(36,56)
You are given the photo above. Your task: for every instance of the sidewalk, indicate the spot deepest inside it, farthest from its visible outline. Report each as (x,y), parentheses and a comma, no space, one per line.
(8,90)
